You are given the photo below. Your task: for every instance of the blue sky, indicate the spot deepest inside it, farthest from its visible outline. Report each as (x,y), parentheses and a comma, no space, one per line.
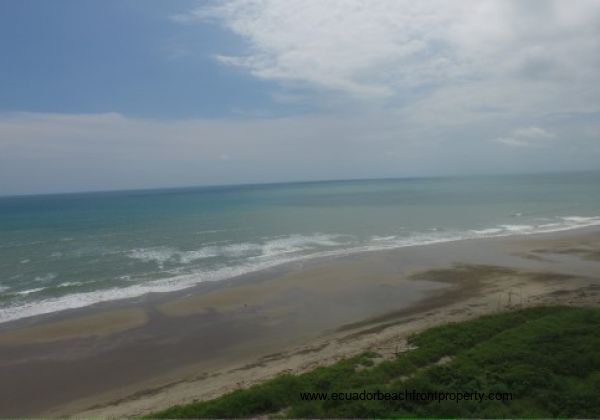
(111,94)
(126,56)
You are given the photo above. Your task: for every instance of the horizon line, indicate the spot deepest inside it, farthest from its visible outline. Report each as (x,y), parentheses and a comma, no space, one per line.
(314,181)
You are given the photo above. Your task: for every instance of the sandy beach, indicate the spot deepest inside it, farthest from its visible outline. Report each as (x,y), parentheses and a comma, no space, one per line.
(130,358)
(299,209)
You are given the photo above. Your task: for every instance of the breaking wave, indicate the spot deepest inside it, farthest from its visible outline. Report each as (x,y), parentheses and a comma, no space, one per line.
(255,256)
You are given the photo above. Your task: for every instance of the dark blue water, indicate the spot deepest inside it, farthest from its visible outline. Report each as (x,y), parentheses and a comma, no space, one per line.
(66,251)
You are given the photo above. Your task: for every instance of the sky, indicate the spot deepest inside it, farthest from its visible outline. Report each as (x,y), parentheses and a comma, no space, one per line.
(122,94)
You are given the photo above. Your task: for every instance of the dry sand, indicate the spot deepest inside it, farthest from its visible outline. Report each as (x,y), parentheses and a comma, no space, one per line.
(137,357)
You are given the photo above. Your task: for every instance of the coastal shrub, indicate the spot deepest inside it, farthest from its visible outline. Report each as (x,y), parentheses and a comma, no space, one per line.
(547,358)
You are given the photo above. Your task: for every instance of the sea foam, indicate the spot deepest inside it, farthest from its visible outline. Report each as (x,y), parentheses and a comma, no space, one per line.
(270,247)
(267,254)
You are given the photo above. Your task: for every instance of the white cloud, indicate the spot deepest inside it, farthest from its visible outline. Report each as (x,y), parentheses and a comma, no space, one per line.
(443,70)
(65,152)
(527,137)
(384,48)
(399,87)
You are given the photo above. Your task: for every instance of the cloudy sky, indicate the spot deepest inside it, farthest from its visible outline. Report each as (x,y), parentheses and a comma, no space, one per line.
(110,94)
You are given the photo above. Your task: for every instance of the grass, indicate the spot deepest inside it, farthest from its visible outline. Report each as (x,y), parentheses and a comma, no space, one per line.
(547,358)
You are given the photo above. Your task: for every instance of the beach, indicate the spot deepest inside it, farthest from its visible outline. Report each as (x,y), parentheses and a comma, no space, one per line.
(299,209)
(135,356)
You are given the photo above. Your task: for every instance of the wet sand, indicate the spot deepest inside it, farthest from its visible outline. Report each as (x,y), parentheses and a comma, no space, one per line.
(133,357)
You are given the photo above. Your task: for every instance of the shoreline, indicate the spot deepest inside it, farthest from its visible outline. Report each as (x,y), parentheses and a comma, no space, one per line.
(276,269)
(375,299)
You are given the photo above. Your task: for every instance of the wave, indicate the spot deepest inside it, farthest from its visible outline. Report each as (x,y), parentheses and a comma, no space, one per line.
(30,291)
(45,278)
(269,248)
(563,223)
(267,254)
(159,255)
(70,284)
(79,300)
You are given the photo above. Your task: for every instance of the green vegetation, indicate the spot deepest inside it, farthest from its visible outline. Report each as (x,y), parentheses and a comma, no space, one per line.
(548,358)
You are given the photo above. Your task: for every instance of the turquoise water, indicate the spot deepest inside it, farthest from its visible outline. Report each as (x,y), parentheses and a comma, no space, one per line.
(73,250)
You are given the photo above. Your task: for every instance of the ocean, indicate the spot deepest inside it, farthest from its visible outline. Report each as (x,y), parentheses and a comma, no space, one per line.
(66,251)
